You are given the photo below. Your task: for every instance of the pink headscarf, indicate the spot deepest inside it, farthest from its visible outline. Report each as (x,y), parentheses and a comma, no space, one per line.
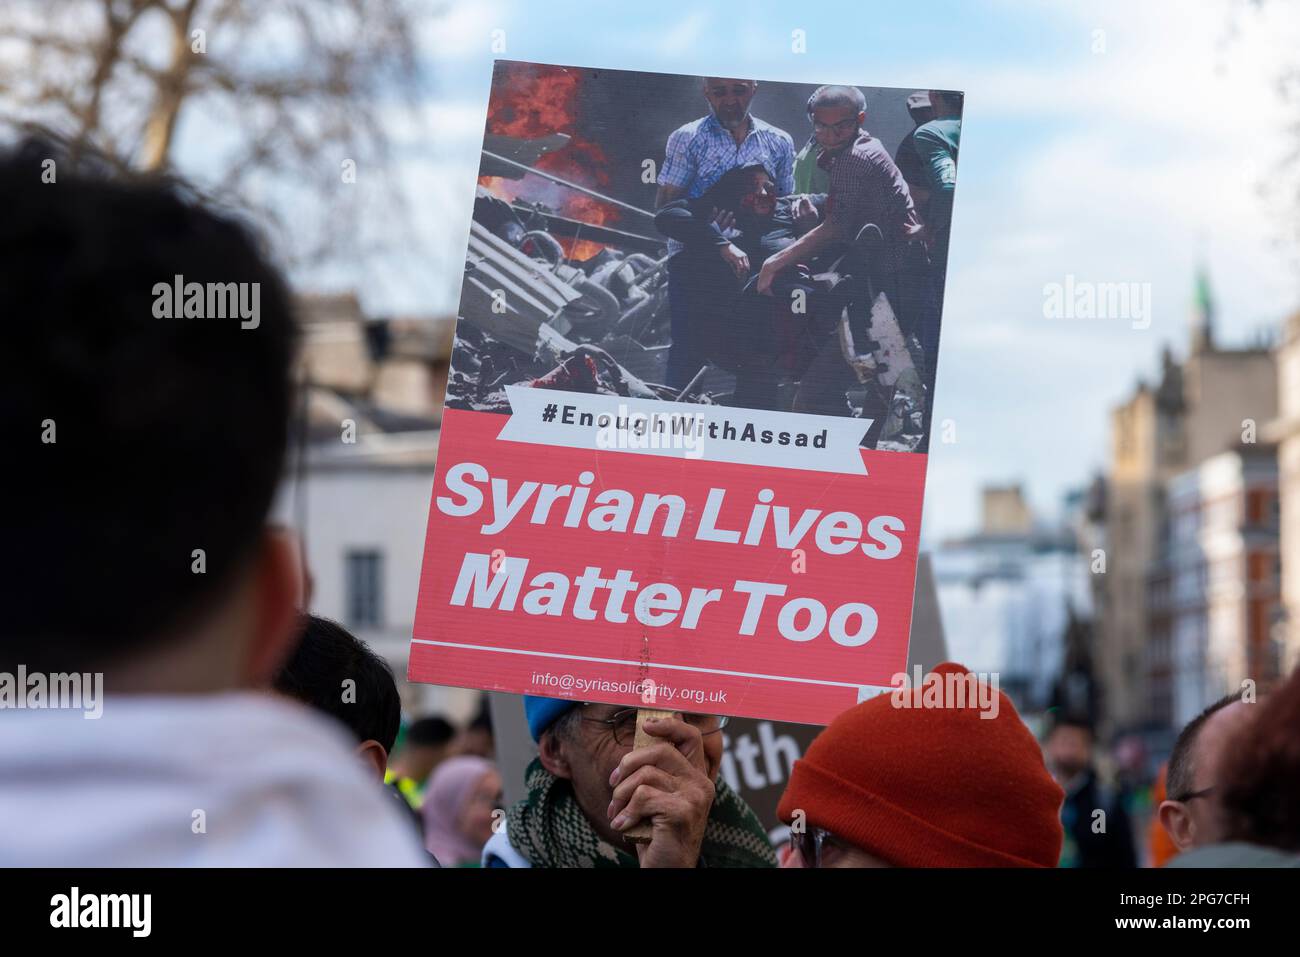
(449,787)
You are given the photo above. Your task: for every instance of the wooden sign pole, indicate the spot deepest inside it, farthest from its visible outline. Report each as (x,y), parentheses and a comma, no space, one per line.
(640,832)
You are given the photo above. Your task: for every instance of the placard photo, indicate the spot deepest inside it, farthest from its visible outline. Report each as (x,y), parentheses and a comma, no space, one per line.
(683,456)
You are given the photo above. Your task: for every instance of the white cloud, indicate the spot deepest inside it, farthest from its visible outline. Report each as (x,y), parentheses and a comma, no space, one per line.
(1137,163)
(464,31)
(678,39)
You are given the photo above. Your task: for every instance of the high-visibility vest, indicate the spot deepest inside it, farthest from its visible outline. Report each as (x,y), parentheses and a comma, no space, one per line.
(409,788)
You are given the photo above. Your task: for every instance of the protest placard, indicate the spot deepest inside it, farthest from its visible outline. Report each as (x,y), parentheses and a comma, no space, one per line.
(683,457)
(757,755)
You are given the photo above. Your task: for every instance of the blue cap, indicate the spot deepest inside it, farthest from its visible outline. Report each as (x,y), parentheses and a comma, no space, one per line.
(544,712)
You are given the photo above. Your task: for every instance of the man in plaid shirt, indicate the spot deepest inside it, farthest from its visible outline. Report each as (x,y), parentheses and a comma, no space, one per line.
(696,157)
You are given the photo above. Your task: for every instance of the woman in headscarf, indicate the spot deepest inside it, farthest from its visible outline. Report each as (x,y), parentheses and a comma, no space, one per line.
(459,805)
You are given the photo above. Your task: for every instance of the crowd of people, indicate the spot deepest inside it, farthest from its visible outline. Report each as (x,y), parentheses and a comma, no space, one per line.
(239,730)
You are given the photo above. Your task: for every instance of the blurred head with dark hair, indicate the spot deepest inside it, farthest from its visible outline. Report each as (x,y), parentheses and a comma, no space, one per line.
(336,673)
(747,191)
(1068,748)
(477,737)
(1261,774)
(142,453)
(425,744)
(1192,812)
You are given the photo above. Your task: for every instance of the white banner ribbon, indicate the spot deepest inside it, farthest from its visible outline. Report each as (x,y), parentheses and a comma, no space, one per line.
(790,440)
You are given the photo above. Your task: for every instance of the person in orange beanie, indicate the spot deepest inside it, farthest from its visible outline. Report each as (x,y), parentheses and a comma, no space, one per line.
(940,775)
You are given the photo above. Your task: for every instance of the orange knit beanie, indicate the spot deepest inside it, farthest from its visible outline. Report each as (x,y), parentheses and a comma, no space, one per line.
(932,786)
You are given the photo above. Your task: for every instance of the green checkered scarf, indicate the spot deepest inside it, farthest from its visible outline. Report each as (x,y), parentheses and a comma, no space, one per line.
(549,829)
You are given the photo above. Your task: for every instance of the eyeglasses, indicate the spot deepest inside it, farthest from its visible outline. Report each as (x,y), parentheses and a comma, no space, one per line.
(623,724)
(1193,795)
(813,844)
(843,126)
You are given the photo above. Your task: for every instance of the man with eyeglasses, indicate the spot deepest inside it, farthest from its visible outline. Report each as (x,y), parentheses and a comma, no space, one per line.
(588,786)
(1192,812)
(865,186)
(869,213)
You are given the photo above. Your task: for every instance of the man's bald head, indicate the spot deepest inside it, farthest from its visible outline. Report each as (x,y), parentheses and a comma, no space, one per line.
(710,81)
(1196,752)
(1192,812)
(729,99)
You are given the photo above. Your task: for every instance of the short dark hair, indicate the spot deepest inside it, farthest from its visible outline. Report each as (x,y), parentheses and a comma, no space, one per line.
(1181,769)
(328,655)
(168,435)
(733,184)
(429,732)
(836,95)
(1071,719)
(482,720)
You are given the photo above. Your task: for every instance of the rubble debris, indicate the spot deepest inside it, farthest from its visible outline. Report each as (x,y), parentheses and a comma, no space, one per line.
(533,316)
(886,362)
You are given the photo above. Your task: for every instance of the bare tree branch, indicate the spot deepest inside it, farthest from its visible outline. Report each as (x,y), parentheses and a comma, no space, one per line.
(284,90)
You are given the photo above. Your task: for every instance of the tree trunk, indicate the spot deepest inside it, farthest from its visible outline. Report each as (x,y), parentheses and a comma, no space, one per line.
(160,129)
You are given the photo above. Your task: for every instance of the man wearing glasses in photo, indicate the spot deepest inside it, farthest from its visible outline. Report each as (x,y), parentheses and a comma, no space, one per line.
(1192,814)
(588,786)
(864,186)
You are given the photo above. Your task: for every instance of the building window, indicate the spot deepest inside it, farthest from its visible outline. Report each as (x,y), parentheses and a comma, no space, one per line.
(364,593)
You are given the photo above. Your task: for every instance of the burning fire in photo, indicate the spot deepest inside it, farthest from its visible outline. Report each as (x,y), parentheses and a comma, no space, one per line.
(538,101)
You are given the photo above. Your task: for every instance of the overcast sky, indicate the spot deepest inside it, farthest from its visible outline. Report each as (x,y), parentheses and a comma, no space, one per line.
(1115,142)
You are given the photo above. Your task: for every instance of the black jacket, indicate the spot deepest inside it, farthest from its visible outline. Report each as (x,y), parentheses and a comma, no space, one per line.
(1086,844)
